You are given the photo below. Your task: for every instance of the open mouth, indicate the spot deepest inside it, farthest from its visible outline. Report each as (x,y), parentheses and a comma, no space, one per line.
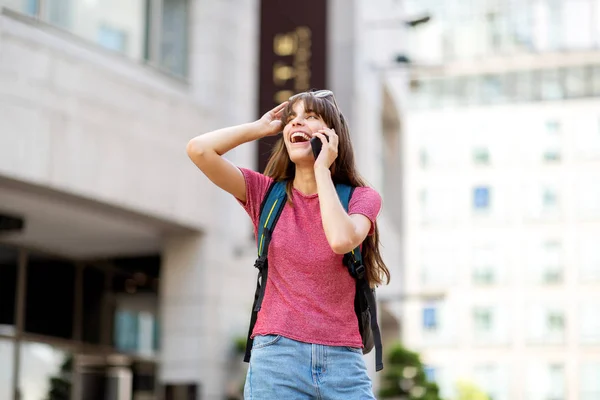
(299,137)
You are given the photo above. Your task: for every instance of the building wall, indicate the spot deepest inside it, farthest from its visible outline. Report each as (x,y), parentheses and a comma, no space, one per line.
(102,131)
(100,128)
(501,152)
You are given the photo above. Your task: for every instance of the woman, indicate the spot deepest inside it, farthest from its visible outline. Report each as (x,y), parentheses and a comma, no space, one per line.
(307,343)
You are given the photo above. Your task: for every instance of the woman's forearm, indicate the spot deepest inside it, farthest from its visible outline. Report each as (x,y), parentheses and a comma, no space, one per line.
(223,140)
(340,230)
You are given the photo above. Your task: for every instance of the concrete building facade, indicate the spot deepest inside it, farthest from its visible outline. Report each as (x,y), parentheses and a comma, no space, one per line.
(149,265)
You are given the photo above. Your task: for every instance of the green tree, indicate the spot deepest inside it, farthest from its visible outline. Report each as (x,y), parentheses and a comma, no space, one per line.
(468,391)
(404,377)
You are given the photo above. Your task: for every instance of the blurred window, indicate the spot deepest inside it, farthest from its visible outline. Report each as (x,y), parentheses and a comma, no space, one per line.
(153,31)
(578,24)
(494,89)
(45,372)
(481,155)
(50,292)
(6,368)
(589,329)
(576,82)
(551,85)
(595,72)
(430,320)
(493,380)
(481,198)
(589,258)
(29,7)
(546,325)
(589,388)
(485,271)
(552,141)
(483,320)
(8,288)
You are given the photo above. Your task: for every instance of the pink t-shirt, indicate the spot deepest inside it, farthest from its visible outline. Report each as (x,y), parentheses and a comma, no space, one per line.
(309,295)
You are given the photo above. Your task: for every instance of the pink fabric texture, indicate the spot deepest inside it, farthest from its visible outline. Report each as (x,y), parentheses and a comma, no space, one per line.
(309,295)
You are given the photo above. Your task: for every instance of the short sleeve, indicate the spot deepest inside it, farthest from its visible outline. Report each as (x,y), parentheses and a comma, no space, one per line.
(257,186)
(366,201)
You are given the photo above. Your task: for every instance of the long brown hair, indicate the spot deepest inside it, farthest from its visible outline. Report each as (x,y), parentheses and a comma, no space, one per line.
(281,168)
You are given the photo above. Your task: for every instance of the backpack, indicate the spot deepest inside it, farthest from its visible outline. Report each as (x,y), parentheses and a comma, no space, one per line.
(365,305)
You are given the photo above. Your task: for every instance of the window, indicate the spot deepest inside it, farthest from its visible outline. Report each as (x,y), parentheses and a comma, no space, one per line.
(481,198)
(546,325)
(29,7)
(430,322)
(586,135)
(113,39)
(577,82)
(589,388)
(543,201)
(50,291)
(595,70)
(578,32)
(546,382)
(589,258)
(493,380)
(438,205)
(481,156)
(494,89)
(552,141)
(589,323)
(552,264)
(437,265)
(8,289)
(555,322)
(588,196)
(523,87)
(153,31)
(551,85)
(44,370)
(483,320)
(6,368)
(485,260)
(438,324)
(174,46)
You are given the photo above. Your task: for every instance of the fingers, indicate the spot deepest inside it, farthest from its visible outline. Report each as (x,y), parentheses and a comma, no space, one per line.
(279,108)
(333,137)
(321,135)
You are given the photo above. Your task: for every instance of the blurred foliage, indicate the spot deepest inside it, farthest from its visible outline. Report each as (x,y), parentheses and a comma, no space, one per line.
(468,391)
(60,386)
(404,377)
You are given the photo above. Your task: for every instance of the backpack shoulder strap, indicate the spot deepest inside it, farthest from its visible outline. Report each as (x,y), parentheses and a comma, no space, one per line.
(270,210)
(354,263)
(355,267)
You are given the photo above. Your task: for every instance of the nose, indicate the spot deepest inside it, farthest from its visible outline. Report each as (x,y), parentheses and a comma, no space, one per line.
(297,121)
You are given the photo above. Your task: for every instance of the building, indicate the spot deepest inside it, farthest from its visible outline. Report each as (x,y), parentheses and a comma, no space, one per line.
(123,272)
(502,160)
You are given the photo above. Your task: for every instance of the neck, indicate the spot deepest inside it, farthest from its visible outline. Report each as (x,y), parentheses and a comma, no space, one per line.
(304,179)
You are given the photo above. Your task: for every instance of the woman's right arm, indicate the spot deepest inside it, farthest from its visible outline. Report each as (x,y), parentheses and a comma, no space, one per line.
(206,150)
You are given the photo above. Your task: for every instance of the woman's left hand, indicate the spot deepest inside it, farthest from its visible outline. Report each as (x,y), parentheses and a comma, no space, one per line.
(329,150)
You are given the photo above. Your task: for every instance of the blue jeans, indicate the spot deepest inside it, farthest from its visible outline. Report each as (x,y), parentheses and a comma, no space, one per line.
(282,368)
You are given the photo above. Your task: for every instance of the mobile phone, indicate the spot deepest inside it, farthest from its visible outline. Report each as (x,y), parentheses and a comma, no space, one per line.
(316,144)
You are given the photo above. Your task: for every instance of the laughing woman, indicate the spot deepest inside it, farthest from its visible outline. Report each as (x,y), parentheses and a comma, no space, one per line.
(307,343)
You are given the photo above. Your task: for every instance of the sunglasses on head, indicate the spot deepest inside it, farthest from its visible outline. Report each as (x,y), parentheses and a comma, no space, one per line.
(317,93)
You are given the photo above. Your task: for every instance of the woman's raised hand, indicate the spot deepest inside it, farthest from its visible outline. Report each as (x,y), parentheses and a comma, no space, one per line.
(271,123)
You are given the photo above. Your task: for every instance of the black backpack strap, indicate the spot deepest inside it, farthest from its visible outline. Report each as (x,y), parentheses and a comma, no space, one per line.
(270,210)
(354,263)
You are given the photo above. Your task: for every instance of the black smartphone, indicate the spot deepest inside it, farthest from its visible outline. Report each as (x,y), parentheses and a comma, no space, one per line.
(316,144)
